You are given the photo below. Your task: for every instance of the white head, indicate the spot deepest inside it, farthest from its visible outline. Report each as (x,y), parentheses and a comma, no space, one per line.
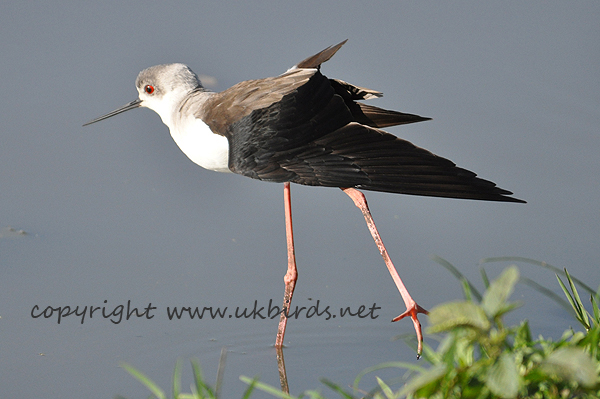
(160,88)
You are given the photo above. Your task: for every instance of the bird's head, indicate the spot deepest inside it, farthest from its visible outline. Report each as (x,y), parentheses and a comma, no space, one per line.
(160,88)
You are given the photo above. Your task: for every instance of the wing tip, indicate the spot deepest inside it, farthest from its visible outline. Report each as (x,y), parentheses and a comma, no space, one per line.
(515,200)
(315,61)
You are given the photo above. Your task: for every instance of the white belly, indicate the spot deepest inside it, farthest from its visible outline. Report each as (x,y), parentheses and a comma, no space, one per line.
(201,145)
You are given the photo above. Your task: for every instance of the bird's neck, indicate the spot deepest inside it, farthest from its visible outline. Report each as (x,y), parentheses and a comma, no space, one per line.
(173,103)
(193,136)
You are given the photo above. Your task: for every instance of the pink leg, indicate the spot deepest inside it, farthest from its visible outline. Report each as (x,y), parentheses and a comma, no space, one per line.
(292,273)
(412,308)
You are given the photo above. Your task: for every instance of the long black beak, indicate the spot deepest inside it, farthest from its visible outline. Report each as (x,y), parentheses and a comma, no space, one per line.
(127,107)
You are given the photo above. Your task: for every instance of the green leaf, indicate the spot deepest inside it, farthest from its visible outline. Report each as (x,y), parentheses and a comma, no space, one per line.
(381,366)
(580,312)
(522,335)
(503,377)
(455,314)
(385,388)
(141,377)
(467,289)
(584,317)
(431,376)
(567,293)
(484,277)
(250,389)
(571,364)
(450,267)
(202,388)
(177,379)
(538,263)
(496,295)
(595,309)
(547,292)
(266,387)
(336,388)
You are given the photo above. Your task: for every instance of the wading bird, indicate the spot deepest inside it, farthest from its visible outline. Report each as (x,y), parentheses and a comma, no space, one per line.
(302,127)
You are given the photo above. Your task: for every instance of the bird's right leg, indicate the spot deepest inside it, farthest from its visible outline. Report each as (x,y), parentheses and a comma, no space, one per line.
(412,308)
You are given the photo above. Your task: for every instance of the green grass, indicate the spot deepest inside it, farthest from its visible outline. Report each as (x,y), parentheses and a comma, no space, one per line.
(478,356)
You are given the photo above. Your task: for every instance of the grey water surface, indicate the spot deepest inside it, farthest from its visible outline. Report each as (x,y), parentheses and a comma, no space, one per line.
(114,213)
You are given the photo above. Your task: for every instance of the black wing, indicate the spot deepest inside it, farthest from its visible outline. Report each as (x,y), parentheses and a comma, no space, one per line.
(311,137)
(362,113)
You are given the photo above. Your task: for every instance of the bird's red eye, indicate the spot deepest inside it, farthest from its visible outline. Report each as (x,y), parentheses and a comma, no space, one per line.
(149,89)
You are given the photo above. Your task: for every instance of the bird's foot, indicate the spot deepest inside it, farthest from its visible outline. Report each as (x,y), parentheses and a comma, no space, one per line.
(412,311)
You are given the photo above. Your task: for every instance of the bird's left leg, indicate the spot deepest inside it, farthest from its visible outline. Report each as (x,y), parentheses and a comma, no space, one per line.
(412,308)
(292,273)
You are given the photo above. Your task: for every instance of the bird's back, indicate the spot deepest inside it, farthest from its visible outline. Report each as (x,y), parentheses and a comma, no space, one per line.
(308,129)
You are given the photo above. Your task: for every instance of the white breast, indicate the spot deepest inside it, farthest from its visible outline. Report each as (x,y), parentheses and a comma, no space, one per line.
(201,145)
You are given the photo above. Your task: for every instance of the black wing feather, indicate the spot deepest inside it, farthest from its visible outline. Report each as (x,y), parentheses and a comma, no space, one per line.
(312,137)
